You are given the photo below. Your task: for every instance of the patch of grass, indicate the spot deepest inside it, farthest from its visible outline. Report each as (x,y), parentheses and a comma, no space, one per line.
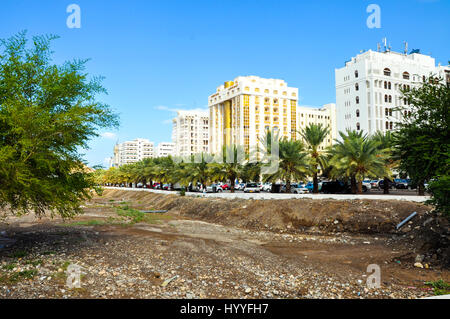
(34,262)
(440,287)
(92,222)
(19,254)
(25,274)
(10,266)
(135,216)
(46,253)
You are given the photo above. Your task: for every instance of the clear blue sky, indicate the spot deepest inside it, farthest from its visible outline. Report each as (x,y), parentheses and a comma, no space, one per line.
(158,56)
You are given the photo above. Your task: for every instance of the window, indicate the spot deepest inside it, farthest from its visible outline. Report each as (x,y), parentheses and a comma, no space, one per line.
(385,98)
(387,72)
(357,100)
(357,113)
(385,84)
(356,73)
(390,98)
(391,125)
(356,87)
(358,126)
(389,85)
(406,75)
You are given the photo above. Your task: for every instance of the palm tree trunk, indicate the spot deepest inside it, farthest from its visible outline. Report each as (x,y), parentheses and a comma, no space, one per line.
(288,186)
(359,187)
(315,184)
(386,186)
(232,186)
(353,184)
(272,189)
(421,188)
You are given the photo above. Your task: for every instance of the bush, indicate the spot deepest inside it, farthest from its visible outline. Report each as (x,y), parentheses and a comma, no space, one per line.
(440,194)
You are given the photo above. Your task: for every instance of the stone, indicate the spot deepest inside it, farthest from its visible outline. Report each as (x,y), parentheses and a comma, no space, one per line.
(418,265)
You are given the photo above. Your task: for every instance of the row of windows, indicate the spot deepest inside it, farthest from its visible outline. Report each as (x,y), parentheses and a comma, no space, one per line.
(267,91)
(387,72)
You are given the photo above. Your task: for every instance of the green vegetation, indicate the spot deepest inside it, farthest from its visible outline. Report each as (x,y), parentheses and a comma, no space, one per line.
(422,143)
(440,287)
(47,113)
(134,216)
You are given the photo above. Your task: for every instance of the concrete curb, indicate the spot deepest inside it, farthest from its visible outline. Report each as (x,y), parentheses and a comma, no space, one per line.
(264,196)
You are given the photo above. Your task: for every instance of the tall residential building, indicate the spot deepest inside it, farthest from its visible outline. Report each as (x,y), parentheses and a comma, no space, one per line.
(241,110)
(165,149)
(190,133)
(368,88)
(325,115)
(132,151)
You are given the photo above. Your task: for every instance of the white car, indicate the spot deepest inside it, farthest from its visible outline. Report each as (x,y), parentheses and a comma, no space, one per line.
(299,189)
(266,187)
(251,188)
(213,188)
(368,185)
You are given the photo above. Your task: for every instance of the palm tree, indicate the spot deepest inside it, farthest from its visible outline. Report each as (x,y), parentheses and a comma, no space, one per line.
(385,141)
(357,156)
(231,167)
(197,170)
(292,164)
(251,172)
(314,135)
(266,142)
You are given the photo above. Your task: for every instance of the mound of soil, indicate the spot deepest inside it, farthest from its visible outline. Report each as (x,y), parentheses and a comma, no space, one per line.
(426,234)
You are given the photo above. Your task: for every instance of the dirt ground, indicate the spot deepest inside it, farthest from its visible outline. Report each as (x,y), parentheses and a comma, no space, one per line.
(218,248)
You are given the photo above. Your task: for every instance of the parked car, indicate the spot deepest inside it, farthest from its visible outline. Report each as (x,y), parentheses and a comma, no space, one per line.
(266,187)
(335,187)
(366,186)
(299,189)
(310,186)
(381,184)
(374,183)
(213,188)
(251,188)
(401,183)
(224,186)
(240,186)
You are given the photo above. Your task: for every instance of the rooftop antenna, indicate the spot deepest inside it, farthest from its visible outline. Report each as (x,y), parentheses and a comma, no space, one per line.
(385,43)
(389,47)
(406,47)
(378,47)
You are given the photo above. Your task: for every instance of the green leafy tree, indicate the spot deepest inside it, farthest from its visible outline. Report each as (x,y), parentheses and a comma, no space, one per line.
(48,113)
(313,136)
(422,140)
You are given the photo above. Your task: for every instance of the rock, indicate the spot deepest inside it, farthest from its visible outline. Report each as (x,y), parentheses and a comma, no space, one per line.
(248,290)
(418,265)
(419,258)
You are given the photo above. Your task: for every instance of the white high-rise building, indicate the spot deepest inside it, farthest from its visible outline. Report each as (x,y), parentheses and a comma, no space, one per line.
(368,88)
(190,133)
(132,151)
(326,115)
(241,110)
(165,149)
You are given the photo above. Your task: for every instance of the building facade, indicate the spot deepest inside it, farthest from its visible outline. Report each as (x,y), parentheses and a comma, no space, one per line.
(132,151)
(368,88)
(326,116)
(190,133)
(165,149)
(241,110)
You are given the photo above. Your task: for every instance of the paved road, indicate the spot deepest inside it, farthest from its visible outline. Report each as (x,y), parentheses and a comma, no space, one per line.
(405,195)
